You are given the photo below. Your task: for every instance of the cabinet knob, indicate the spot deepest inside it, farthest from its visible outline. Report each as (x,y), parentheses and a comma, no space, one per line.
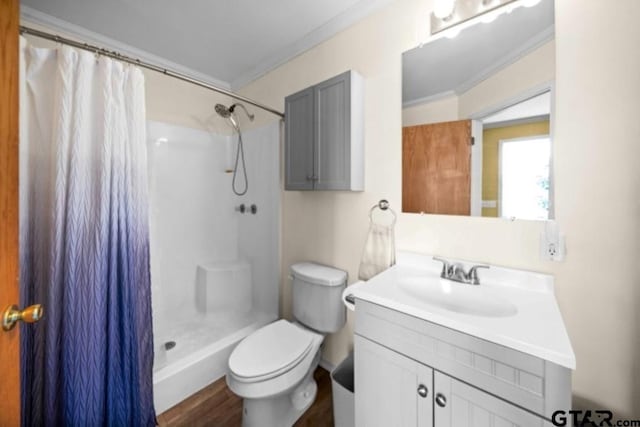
(312,178)
(441,400)
(422,390)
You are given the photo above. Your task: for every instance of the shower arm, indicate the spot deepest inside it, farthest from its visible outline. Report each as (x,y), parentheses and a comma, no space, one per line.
(237,104)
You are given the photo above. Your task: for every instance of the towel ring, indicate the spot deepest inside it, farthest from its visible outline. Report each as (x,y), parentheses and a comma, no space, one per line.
(383,205)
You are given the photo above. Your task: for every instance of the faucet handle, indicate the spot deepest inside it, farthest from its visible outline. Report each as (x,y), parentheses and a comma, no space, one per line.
(446,267)
(473,274)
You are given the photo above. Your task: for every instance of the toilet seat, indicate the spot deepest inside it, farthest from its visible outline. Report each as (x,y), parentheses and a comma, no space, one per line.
(270,351)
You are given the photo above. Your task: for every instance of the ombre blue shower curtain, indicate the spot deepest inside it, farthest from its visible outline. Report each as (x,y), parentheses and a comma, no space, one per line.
(84,241)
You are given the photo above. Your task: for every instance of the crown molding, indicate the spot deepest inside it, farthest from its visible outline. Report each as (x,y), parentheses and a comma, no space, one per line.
(322,33)
(30,16)
(429,99)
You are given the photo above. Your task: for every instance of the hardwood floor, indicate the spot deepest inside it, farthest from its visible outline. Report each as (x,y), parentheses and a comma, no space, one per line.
(216,406)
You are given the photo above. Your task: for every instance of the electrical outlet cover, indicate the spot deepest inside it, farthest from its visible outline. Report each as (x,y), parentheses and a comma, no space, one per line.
(553,249)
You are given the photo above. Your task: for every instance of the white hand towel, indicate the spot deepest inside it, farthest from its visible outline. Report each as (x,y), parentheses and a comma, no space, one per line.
(379,251)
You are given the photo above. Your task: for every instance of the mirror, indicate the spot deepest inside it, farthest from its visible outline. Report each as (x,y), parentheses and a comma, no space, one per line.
(477,119)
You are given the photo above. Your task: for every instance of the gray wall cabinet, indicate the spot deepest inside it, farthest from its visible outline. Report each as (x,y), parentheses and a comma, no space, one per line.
(324,139)
(410,372)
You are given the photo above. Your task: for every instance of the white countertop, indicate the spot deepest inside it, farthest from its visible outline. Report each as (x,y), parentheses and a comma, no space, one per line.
(537,328)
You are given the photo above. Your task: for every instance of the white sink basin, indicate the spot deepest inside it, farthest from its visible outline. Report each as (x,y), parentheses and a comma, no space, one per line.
(457,297)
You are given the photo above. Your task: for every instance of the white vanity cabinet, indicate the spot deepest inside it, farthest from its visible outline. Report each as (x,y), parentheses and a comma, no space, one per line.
(412,372)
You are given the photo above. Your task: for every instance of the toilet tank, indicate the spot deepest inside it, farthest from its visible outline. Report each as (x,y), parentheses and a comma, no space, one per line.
(317,296)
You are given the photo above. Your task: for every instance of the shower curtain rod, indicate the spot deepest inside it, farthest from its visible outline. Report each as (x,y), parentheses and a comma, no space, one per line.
(115,55)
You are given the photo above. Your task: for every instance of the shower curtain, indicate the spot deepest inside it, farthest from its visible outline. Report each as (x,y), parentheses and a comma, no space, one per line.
(84,241)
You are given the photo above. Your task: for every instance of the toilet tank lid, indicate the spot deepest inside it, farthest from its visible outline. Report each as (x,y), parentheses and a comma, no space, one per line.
(319,274)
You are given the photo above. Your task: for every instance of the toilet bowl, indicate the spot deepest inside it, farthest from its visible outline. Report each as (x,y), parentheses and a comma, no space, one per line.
(272,369)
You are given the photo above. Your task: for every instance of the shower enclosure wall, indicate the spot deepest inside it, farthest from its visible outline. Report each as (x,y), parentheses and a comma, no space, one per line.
(214,270)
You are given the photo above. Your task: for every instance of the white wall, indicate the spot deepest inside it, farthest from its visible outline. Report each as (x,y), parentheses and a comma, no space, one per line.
(530,71)
(597,178)
(597,144)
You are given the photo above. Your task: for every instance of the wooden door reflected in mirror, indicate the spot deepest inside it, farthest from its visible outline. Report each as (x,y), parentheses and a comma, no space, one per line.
(436,168)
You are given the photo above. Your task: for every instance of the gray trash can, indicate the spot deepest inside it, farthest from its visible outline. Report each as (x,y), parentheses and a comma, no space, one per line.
(342,386)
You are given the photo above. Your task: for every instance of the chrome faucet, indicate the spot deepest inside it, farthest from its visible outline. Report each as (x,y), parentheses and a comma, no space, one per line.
(457,273)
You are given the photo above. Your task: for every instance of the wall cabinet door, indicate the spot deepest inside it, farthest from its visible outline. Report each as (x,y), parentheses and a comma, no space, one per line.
(332,125)
(391,390)
(457,404)
(299,141)
(324,140)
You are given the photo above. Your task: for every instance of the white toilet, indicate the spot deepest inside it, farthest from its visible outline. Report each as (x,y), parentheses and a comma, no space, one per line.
(272,369)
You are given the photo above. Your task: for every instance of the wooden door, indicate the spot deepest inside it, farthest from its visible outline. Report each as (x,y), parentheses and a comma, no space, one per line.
(436,168)
(9,80)
(392,390)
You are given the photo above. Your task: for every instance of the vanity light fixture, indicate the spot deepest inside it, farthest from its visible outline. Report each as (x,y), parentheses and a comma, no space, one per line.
(443,9)
(449,13)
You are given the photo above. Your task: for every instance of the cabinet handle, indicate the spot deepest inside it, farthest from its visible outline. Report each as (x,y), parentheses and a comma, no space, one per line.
(422,390)
(312,178)
(441,400)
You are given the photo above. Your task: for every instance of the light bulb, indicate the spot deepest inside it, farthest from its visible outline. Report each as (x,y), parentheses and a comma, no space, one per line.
(452,33)
(443,9)
(530,3)
(488,18)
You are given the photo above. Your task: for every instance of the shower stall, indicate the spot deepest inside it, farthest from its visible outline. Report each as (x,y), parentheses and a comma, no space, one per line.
(214,266)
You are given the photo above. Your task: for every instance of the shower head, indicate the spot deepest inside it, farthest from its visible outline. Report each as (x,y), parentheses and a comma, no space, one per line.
(223,111)
(227,112)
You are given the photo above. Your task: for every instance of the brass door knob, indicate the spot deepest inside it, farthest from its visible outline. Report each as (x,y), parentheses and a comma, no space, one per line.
(13,315)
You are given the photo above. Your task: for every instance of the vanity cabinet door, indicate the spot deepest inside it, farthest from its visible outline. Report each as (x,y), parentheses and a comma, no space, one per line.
(299,141)
(392,390)
(457,404)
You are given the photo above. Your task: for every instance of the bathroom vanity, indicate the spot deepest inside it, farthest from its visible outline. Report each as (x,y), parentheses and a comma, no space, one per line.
(434,352)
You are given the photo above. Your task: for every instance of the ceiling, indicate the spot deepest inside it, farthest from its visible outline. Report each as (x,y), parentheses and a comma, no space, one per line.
(231,41)
(537,106)
(452,66)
